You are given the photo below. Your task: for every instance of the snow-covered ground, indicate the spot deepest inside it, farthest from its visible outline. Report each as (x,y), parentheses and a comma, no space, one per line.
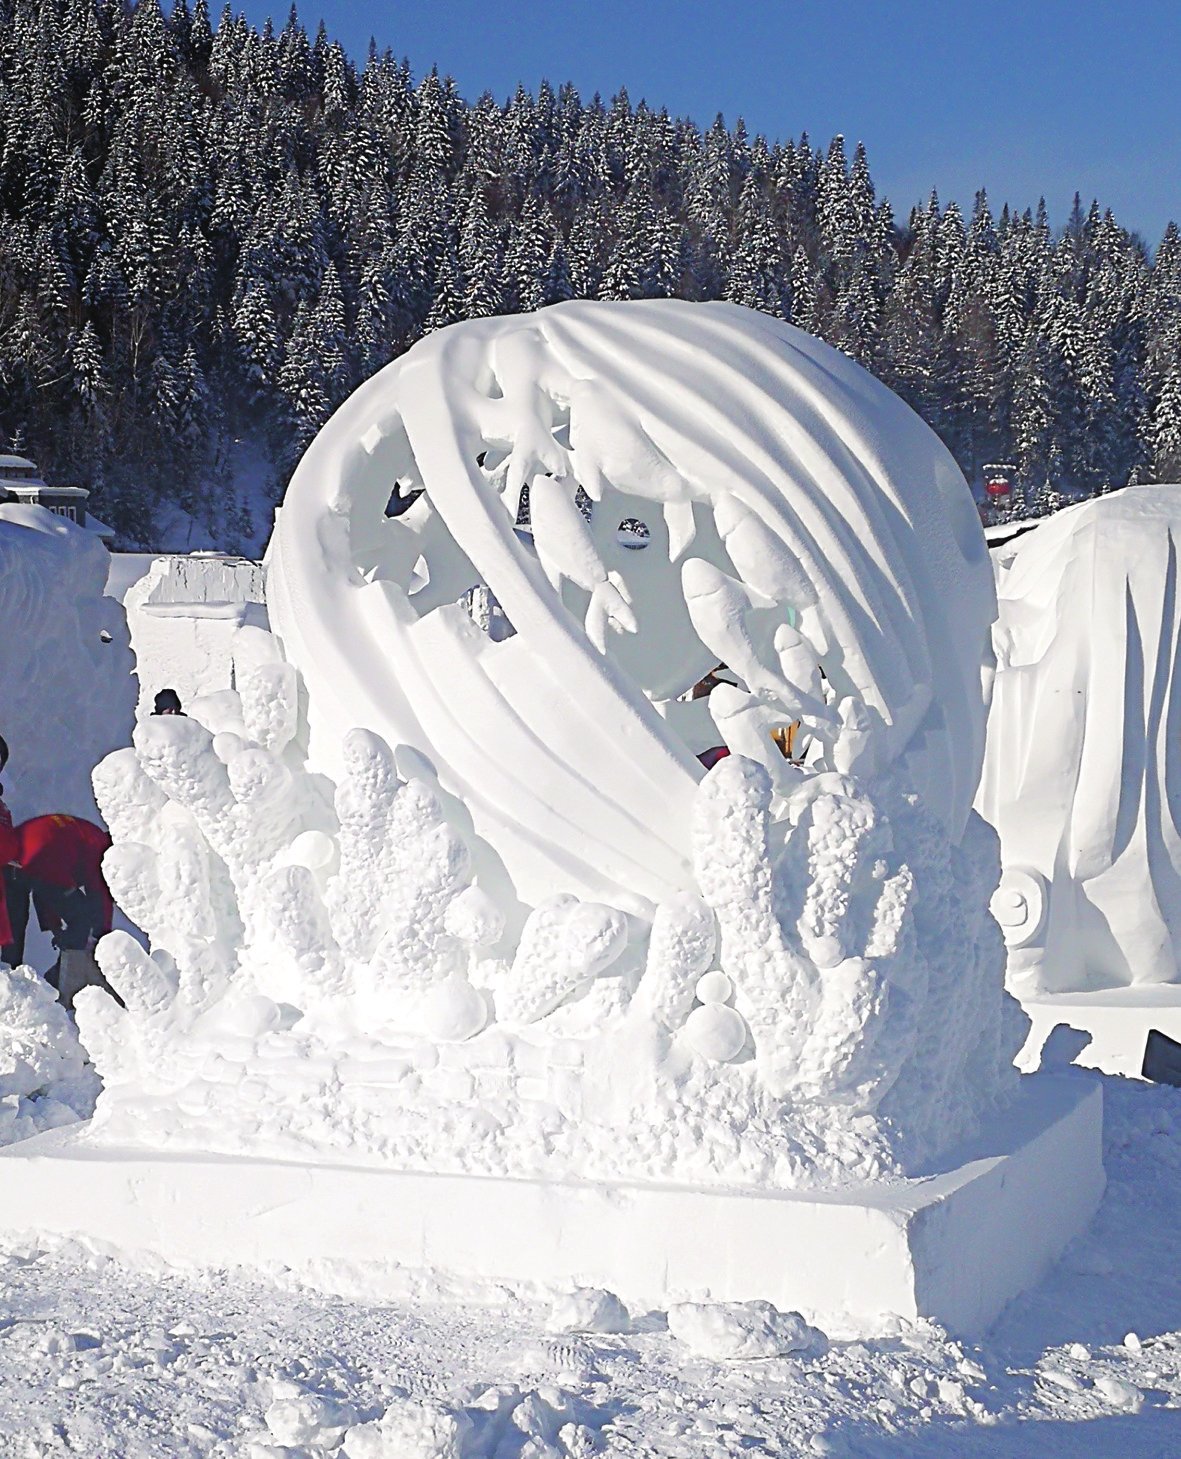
(100,1359)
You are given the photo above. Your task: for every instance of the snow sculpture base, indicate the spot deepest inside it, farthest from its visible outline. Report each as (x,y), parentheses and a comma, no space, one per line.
(954,1246)
(1116,1019)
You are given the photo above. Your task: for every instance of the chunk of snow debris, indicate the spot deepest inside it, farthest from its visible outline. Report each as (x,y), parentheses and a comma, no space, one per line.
(743,1330)
(589,1309)
(308,1419)
(409,1429)
(45,1079)
(1119,1394)
(1132,1342)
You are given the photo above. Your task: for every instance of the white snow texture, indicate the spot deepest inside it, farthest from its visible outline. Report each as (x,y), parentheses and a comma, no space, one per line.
(66,691)
(509,933)
(1083,765)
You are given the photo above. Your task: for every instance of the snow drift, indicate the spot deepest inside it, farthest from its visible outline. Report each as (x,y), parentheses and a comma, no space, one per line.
(1082,776)
(452,899)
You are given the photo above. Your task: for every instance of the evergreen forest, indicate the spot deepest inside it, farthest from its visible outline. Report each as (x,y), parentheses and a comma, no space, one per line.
(211,233)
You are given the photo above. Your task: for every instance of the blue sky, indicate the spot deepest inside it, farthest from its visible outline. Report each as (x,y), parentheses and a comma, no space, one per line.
(1022,98)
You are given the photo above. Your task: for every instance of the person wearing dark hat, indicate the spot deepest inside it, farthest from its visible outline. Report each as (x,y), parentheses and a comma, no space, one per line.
(167,702)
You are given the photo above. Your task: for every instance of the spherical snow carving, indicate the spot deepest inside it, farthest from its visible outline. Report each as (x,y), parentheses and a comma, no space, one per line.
(805,528)
(716,1032)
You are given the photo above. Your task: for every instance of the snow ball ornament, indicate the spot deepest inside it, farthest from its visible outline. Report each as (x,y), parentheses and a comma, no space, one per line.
(714,987)
(1019,905)
(716,1032)
(454,1011)
(797,522)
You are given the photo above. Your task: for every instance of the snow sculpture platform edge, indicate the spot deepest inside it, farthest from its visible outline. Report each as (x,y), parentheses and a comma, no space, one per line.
(954,1246)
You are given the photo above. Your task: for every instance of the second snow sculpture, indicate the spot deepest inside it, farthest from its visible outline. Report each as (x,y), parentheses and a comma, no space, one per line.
(1083,771)
(508,931)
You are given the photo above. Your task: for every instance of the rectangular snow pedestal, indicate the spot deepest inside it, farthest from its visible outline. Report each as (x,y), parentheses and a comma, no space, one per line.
(954,1246)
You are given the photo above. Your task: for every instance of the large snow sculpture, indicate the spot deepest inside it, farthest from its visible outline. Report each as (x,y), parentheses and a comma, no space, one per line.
(646,489)
(1082,775)
(507,930)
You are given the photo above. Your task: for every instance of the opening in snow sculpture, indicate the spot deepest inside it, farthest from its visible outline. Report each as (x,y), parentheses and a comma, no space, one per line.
(442,882)
(1083,765)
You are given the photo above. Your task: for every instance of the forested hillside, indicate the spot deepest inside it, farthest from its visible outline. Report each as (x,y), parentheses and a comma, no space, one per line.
(208,234)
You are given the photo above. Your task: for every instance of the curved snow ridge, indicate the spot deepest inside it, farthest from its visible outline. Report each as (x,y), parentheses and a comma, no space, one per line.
(802,525)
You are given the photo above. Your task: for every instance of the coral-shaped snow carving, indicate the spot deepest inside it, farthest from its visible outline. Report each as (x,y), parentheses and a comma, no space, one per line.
(45,1080)
(828,1005)
(858,972)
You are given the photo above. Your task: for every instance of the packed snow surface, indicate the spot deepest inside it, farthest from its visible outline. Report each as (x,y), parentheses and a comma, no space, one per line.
(799,523)
(1083,763)
(66,691)
(113,1362)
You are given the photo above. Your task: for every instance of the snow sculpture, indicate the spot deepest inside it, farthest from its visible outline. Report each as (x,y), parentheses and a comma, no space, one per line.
(796,518)
(455,900)
(1083,761)
(66,691)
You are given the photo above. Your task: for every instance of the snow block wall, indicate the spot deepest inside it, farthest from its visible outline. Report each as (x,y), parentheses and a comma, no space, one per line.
(1083,764)
(454,900)
(66,689)
(183,614)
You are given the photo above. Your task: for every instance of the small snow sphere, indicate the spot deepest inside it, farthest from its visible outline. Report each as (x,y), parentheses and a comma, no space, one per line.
(474,918)
(714,987)
(716,1032)
(454,1010)
(314,849)
(633,534)
(227,745)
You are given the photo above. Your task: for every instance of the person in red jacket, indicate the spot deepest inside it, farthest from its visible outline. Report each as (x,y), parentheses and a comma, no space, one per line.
(60,861)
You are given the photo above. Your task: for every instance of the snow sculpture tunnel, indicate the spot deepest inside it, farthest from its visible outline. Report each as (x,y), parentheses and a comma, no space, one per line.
(645,490)
(1082,775)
